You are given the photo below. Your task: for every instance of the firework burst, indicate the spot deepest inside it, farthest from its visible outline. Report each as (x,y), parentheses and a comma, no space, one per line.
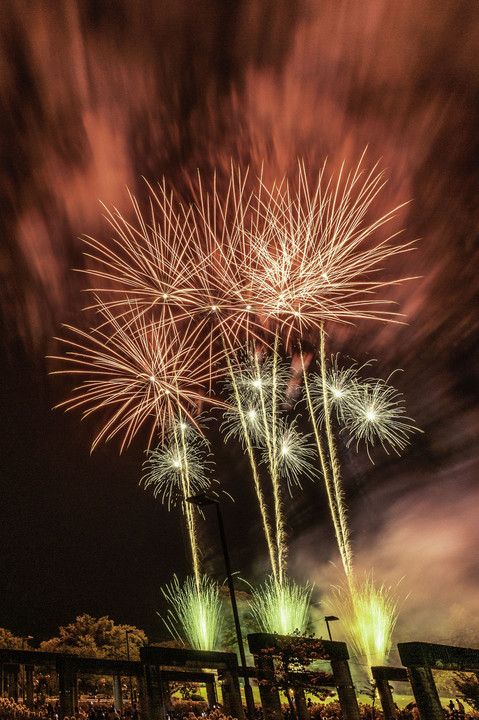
(147,264)
(375,412)
(316,251)
(136,373)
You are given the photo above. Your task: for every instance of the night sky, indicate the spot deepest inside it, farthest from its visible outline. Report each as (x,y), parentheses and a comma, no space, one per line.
(94,95)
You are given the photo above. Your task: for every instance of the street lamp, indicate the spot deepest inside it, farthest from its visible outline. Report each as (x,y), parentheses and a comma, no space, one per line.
(328,619)
(127,632)
(202,500)
(26,637)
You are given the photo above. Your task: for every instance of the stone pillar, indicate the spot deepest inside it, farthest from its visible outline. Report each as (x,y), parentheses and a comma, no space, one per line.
(166,692)
(211,692)
(344,686)
(425,692)
(29,686)
(267,691)
(300,704)
(12,673)
(67,681)
(76,694)
(117,694)
(154,691)
(386,698)
(232,695)
(143,704)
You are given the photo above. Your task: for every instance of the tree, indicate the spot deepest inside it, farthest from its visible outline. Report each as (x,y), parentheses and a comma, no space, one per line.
(9,641)
(293,658)
(100,638)
(467,686)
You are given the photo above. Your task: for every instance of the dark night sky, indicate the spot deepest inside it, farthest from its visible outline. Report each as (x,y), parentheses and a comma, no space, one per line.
(95,95)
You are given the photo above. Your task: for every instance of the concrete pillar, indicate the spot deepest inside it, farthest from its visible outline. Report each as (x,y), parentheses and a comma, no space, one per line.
(267,691)
(386,698)
(29,686)
(232,695)
(211,692)
(12,673)
(300,704)
(346,693)
(67,682)
(425,692)
(117,694)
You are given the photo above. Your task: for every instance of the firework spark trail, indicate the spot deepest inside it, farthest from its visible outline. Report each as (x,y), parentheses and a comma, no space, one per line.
(338,492)
(332,500)
(189,509)
(224,261)
(254,469)
(277,492)
(270,441)
(164,465)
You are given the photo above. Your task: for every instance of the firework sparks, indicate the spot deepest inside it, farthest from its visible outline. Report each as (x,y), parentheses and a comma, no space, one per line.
(341,388)
(294,453)
(137,374)
(180,466)
(282,607)
(376,412)
(195,614)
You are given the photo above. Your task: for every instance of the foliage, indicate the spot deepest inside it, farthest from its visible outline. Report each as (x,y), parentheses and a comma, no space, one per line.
(9,641)
(292,658)
(100,638)
(467,685)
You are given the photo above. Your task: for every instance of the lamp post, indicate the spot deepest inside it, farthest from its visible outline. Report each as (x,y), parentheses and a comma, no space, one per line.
(26,637)
(328,619)
(202,500)
(128,658)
